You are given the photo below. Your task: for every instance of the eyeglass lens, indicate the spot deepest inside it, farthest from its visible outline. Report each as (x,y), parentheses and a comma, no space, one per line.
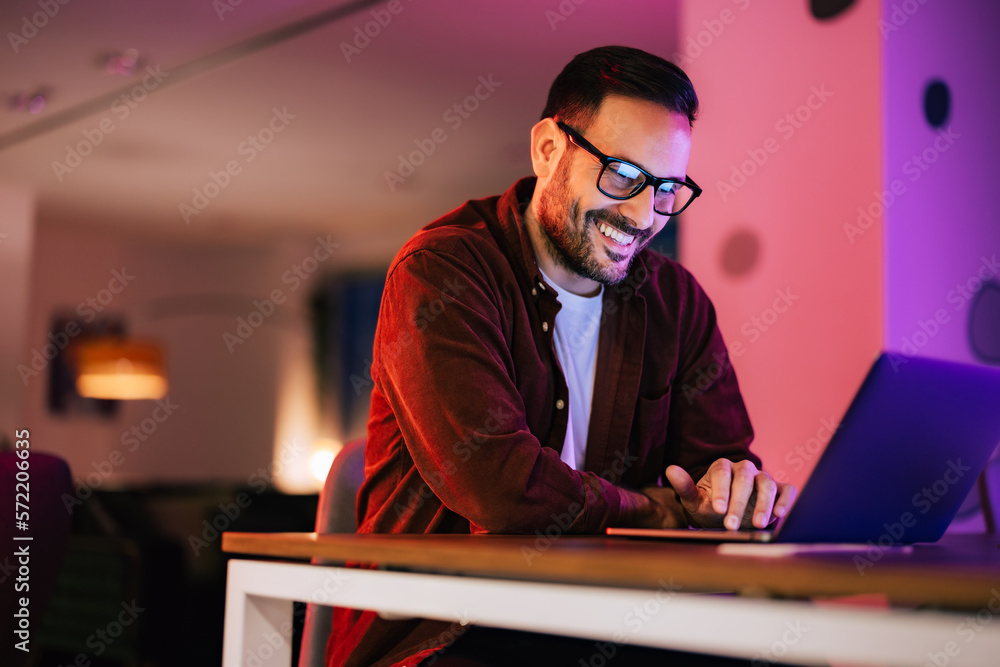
(621,179)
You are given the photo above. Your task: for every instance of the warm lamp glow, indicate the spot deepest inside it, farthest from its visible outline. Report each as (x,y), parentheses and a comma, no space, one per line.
(319,464)
(123,370)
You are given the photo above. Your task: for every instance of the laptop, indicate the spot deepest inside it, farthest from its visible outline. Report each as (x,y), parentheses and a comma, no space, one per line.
(913,442)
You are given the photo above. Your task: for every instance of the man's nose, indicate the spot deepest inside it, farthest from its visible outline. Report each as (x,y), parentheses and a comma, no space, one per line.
(639,209)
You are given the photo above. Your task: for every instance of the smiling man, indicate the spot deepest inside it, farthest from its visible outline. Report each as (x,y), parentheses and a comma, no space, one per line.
(531,355)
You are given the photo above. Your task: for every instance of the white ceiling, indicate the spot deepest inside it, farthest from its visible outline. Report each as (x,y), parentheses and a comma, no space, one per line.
(352,120)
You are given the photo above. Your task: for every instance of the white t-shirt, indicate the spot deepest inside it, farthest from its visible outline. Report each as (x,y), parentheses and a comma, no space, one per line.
(575,335)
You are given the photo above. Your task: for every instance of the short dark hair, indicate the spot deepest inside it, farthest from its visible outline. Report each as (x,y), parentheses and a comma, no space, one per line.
(578,91)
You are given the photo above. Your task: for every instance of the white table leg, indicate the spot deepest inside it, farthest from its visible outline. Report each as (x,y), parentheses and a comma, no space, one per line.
(763,630)
(258,630)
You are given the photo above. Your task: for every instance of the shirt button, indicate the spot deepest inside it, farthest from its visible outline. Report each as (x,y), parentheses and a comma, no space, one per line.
(541,284)
(545,326)
(560,404)
(534,292)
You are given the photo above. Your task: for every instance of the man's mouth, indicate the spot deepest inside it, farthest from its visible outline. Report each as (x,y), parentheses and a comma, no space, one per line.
(615,235)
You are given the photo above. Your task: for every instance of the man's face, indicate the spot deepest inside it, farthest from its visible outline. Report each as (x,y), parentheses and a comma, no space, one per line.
(592,235)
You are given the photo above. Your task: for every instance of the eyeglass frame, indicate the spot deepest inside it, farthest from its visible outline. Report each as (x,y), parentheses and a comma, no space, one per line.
(579,140)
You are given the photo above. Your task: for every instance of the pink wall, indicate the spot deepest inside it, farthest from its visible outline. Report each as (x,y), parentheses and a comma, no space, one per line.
(787,145)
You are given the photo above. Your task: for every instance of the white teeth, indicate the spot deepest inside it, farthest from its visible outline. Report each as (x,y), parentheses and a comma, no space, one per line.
(613,233)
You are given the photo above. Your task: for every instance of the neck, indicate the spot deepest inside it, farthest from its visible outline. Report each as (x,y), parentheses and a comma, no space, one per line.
(564,277)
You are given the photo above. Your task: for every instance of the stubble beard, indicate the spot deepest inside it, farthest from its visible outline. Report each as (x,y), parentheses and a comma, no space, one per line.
(567,235)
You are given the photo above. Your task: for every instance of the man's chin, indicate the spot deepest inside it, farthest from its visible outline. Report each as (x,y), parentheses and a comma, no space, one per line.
(615,272)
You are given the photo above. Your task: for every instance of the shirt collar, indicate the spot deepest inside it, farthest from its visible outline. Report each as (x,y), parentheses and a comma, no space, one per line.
(510,211)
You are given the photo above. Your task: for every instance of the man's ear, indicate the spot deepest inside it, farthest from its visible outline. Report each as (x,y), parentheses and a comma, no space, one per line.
(547,146)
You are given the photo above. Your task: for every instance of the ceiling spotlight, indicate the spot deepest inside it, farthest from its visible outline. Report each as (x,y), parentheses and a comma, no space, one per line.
(33,103)
(37,103)
(123,62)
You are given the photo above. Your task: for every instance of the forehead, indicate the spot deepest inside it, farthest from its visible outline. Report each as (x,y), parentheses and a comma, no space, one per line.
(648,134)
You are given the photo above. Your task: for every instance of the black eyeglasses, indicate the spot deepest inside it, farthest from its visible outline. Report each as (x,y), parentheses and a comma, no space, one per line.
(623,180)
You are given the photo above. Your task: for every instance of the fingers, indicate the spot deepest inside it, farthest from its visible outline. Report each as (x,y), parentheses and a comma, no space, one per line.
(682,483)
(708,500)
(786,498)
(743,475)
(737,493)
(720,476)
(766,489)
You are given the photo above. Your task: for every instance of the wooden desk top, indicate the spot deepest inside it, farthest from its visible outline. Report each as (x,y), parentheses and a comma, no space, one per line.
(959,572)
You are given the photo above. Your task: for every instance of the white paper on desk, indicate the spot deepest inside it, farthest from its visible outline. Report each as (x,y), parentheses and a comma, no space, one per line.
(764,550)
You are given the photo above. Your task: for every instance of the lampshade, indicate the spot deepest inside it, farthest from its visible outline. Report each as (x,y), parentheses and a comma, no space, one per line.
(120,369)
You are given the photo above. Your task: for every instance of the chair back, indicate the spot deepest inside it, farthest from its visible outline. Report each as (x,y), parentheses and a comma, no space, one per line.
(335,514)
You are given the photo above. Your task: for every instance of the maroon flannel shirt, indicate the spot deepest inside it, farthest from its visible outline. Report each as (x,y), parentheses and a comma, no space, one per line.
(468,412)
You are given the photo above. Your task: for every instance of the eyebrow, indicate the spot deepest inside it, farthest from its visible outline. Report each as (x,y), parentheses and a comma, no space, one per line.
(626,158)
(622,158)
(672,178)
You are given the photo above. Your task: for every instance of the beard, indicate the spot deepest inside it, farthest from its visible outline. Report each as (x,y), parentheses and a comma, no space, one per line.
(568,236)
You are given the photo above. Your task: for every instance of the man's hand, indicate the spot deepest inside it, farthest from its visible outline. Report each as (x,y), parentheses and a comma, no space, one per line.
(731,495)
(652,507)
